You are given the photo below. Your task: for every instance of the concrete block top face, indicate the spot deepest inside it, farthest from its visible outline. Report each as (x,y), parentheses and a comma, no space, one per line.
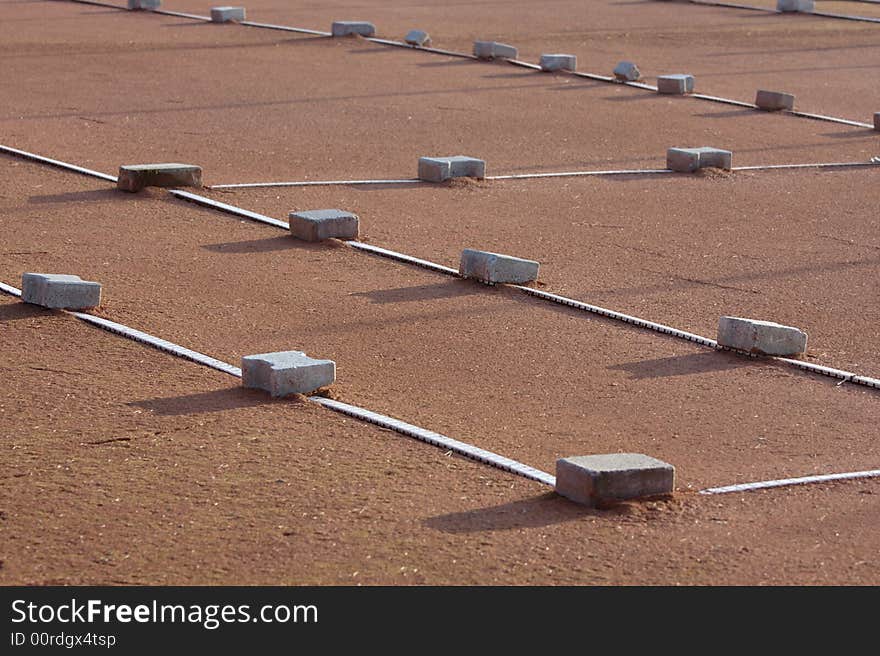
(144,4)
(677,83)
(318,225)
(438,169)
(774,100)
(60,291)
(347,28)
(286,372)
(558,62)
(494,50)
(495,268)
(627,71)
(590,480)
(226,14)
(795,5)
(418,38)
(764,337)
(134,177)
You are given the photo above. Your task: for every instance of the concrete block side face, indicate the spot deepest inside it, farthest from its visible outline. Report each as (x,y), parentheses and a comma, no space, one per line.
(495,268)
(466,167)
(763,337)
(60,291)
(774,101)
(226,14)
(590,480)
(683,160)
(286,372)
(318,225)
(494,50)
(504,51)
(627,72)
(715,157)
(795,5)
(144,4)
(434,169)
(418,38)
(558,62)
(135,177)
(677,84)
(349,28)
(877,120)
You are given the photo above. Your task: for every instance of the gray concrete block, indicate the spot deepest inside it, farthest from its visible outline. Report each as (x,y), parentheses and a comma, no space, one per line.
(591,480)
(134,177)
(763,337)
(144,4)
(773,101)
(877,120)
(557,62)
(494,268)
(418,38)
(494,50)
(318,225)
(677,83)
(687,160)
(438,169)
(286,372)
(626,72)
(60,291)
(795,5)
(349,28)
(226,14)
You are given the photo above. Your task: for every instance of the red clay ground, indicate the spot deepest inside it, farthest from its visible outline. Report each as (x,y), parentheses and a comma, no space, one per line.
(216,484)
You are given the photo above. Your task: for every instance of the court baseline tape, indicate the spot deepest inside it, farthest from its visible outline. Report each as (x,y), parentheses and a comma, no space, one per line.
(516,62)
(844,376)
(429,437)
(785,482)
(823,14)
(552,174)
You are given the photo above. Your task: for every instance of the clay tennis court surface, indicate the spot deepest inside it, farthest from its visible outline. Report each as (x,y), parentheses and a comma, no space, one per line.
(125,465)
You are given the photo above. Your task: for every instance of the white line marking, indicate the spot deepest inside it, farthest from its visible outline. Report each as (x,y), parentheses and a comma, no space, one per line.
(400,257)
(229,209)
(314,183)
(571,174)
(821,165)
(436,439)
(57,163)
(179,14)
(284,28)
(783,482)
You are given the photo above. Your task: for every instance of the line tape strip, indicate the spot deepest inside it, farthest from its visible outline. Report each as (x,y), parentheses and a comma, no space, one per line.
(396,425)
(283,28)
(400,257)
(57,163)
(552,174)
(823,14)
(229,209)
(314,183)
(783,482)
(436,439)
(180,14)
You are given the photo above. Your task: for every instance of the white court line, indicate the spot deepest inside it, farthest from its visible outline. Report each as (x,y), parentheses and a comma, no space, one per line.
(528,176)
(284,28)
(422,434)
(229,209)
(179,14)
(400,257)
(57,163)
(436,439)
(784,482)
(314,183)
